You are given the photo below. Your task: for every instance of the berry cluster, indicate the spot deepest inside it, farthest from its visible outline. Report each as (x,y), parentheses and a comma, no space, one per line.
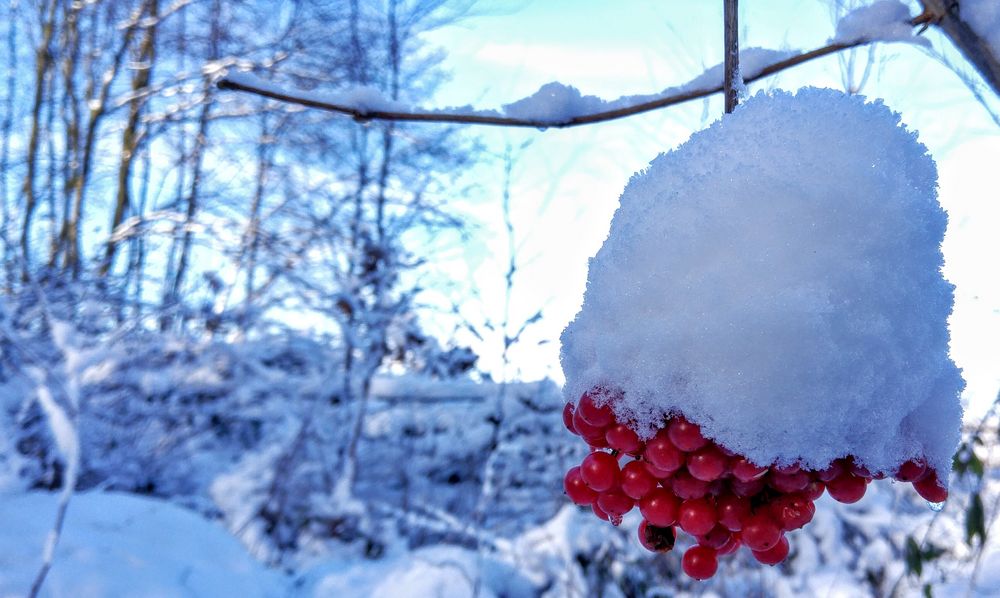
(679,478)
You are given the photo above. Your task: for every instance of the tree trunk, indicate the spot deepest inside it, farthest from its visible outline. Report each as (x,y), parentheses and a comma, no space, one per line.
(97,103)
(5,129)
(70,50)
(193,196)
(131,134)
(172,296)
(43,62)
(253,224)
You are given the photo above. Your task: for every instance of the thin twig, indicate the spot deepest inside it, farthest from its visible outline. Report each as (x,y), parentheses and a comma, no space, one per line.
(362,114)
(731,62)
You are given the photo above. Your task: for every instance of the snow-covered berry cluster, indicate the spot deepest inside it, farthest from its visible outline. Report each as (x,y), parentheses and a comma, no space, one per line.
(679,478)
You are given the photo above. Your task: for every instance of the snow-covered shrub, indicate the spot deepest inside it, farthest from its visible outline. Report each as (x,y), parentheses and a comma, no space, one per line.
(254,432)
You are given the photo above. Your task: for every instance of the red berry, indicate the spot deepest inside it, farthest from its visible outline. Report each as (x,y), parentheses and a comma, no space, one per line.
(912,470)
(707,464)
(577,489)
(930,488)
(731,546)
(788,482)
(585,428)
(697,516)
(716,538)
(656,472)
(700,562)
(598,416)
(788,469)
(599,512)
(596,442)
(859,470)
(568,411)
(660,507)
(732,510)
(773,555)
(685,435)
(615,504)
(745,471)
(792,511)
(814,490)
(621,438)
(636,480)
(656,539)
(687,486)
(833,470)
(760,532)
(663,454)
(600,471)
(846,488)
(751,488)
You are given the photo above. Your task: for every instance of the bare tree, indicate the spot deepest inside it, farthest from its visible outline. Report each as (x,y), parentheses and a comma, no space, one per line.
(10,104)
(144,59)
(46,13)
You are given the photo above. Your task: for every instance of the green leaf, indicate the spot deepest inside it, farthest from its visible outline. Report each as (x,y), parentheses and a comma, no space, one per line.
(966,460)
(959,461)
(976,465)
(927,591)
(975,520)
(932,552)
(914,558)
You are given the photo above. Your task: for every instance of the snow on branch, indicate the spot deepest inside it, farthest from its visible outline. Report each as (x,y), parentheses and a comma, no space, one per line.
(883,20)
(557,105)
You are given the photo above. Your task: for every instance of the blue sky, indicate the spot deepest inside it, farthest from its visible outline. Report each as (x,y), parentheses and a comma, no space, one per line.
(566,182)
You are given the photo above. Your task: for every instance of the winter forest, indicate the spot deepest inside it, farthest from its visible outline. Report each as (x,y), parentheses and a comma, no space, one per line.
(419,298)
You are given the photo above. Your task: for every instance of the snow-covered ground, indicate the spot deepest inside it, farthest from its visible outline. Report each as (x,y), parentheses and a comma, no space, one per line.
(121,545)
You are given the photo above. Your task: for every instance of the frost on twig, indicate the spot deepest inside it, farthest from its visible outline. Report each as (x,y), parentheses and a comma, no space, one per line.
(62,418)
(64,430)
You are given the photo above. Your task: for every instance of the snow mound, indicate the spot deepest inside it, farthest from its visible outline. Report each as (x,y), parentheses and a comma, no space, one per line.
(777,280)
(125,546)
(441,571)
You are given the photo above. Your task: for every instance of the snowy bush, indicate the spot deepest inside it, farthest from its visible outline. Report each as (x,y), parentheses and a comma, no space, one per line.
(254,432)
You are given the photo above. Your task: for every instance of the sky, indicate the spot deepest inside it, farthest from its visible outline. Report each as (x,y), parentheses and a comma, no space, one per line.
(566,183)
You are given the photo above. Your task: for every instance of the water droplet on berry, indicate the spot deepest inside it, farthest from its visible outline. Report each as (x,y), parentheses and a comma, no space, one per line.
(935,506)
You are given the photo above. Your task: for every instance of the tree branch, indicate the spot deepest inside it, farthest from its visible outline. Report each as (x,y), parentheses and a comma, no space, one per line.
(363,115)
(946,15)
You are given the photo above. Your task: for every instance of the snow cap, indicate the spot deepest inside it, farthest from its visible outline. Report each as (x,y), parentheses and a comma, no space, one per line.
(777,280)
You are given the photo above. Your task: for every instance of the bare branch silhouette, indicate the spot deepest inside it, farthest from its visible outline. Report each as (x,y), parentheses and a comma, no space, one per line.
(455,117)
